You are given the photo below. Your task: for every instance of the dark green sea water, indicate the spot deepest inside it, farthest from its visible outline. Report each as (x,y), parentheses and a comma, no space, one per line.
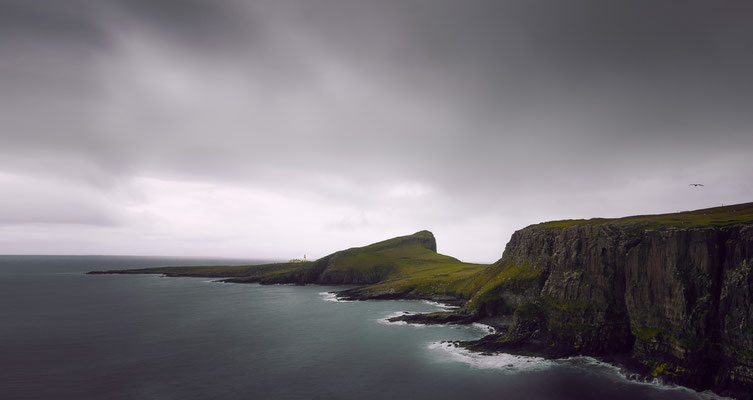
(66,335)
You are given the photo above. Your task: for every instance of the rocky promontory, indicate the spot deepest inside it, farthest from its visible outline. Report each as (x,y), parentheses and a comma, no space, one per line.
(673,291)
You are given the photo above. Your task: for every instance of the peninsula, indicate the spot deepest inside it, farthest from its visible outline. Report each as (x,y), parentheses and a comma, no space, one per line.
(672,293)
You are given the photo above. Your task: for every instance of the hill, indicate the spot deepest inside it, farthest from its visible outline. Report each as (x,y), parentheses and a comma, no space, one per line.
(404,264)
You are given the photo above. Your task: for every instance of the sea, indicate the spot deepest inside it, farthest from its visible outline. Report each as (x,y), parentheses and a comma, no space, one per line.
(68,335)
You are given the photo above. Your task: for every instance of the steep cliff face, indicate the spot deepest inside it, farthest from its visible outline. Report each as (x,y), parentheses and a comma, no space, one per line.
(673,280)
(679,299)
(580,296)
(736,311)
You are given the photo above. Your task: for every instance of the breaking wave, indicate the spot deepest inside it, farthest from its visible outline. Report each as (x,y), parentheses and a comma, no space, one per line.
(503,362)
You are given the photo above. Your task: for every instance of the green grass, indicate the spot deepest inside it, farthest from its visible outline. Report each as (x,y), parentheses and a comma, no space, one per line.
(438,275)
(488,285)
(431,278)
(413,267)
(223,271)
(406,259)
(400,265)
(711,217)
(425,238)
(424,273)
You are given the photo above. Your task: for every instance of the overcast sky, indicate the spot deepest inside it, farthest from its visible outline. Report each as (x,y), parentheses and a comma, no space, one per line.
(277,128)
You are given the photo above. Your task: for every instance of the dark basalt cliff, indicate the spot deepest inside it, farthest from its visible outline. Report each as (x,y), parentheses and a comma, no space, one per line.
(677,299)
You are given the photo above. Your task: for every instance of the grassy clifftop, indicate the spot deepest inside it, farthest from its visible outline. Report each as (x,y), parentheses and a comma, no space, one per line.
(710,217)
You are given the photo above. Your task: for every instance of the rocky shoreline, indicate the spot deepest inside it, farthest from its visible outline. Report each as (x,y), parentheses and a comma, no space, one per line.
(514,334)
(501,342)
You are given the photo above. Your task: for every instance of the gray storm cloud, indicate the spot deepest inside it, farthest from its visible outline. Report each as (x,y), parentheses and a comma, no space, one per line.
(362,119)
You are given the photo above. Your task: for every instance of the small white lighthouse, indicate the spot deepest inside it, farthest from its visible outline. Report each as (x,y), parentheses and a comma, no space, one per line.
(298,260)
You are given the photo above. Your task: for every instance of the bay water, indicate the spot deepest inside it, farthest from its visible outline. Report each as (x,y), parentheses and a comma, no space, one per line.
(68,335)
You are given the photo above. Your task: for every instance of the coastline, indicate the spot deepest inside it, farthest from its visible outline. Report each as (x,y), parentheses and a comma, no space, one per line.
(487,346)
(670,290)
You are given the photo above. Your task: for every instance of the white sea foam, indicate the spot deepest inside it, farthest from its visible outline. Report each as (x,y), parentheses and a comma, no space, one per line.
(331,296)
(385,320)
(503,362)
(442,306)
(486,329)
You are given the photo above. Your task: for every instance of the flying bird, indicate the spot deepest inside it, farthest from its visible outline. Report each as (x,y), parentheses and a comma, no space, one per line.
(695,184)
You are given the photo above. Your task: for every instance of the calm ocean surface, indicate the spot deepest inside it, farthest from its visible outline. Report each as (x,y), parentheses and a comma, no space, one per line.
(66,335)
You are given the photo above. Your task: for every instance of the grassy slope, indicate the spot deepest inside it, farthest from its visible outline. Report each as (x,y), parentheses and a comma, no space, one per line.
(398,262)
(404,255)
(412,266)
(427,278)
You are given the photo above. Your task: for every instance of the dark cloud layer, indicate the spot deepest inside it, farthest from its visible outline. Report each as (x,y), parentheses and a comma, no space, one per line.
(510,111)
